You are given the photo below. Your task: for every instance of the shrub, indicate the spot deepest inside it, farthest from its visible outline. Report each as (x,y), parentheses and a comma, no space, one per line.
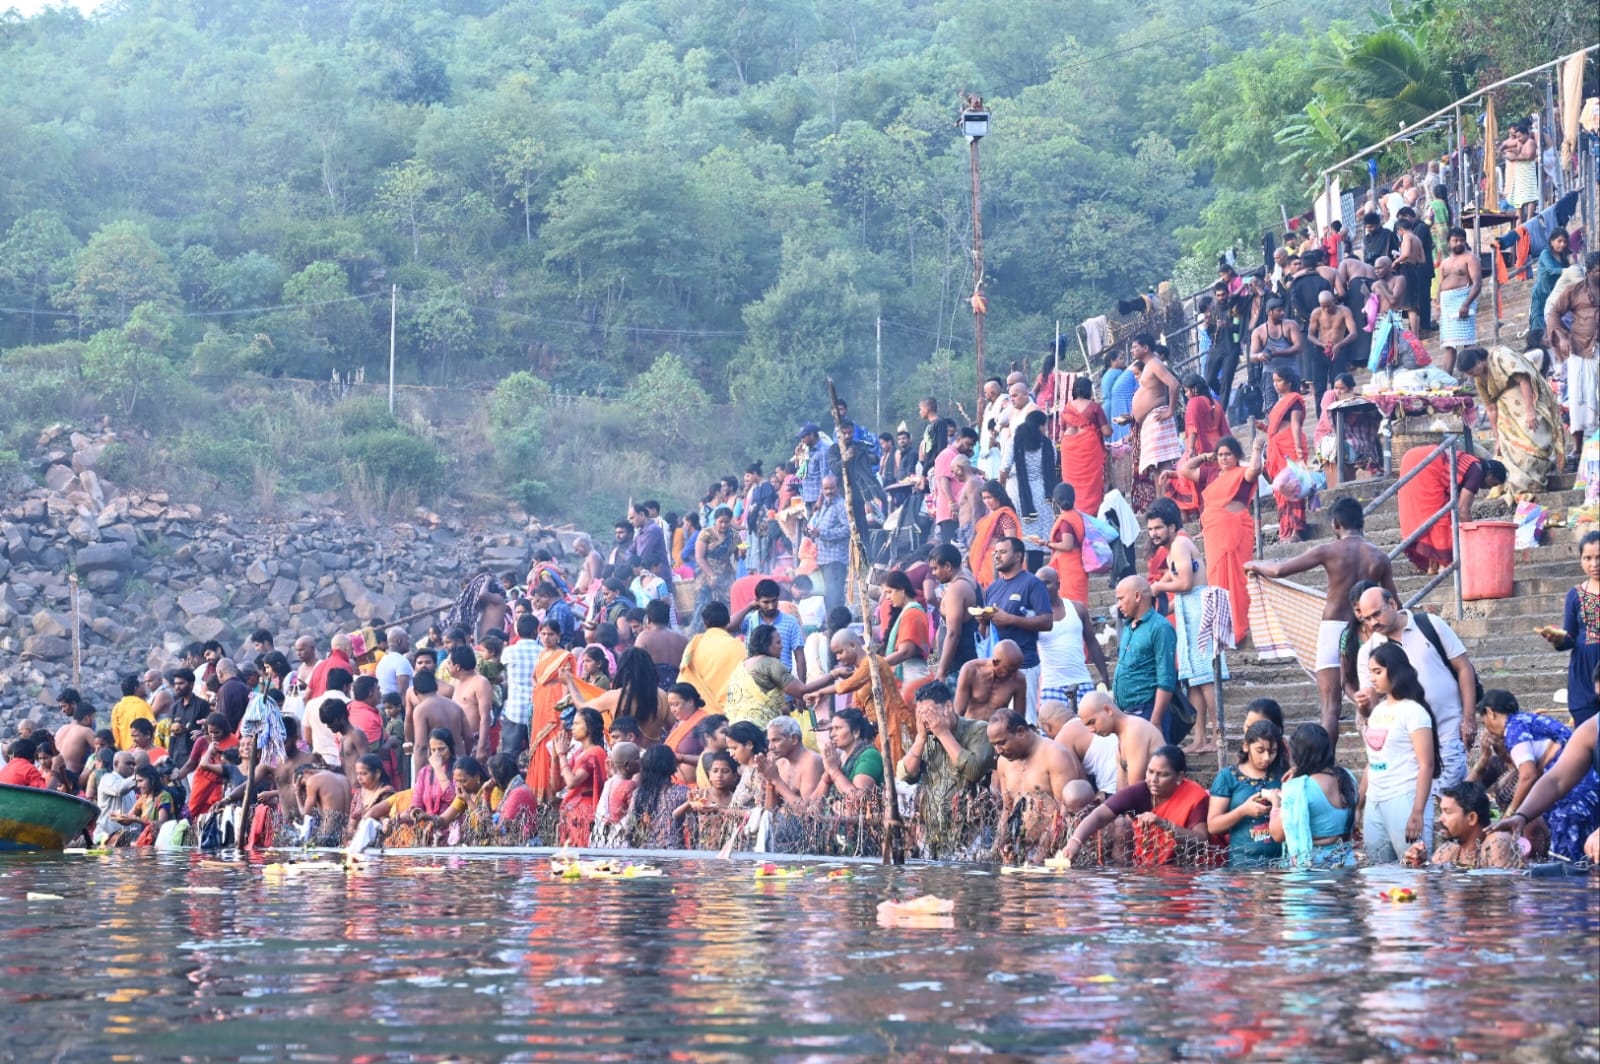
(393,460)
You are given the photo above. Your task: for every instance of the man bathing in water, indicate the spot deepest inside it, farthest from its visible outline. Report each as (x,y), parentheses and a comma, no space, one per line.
(994,683)
(1348,559)
(1137,738)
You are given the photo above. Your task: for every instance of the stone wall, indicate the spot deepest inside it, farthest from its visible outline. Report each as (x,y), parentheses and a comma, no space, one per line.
(155,574)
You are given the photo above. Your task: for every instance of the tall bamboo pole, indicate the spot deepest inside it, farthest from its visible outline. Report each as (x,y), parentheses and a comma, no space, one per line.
(893,852)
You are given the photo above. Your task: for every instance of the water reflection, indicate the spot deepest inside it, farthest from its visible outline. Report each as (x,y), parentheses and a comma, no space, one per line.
(484,958)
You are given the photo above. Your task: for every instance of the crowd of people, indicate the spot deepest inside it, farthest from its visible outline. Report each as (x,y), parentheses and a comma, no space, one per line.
(714,677)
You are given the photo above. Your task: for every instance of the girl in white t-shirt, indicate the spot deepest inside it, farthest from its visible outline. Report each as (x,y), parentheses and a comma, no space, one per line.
(1402,744)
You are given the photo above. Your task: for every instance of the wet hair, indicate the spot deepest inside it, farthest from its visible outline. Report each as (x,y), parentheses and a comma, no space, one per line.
(1013,721)
(1268,708)
(658,770)
(896,580)
(687,692)
(760,639)
(656,611)
(1266,731)
(935,691)
(1471,797)
(1174,757)
(446,736)
(69,696)
(858,723)
(333,711)
(1166,511)
(471,766)
(374,764)
(1065,496)
(715,615)
(1404,685)
(424,682)
(594,723)
(1232,446)
(745,733)
(1289,377)
(1347,513)
(503,769)
(1501,702)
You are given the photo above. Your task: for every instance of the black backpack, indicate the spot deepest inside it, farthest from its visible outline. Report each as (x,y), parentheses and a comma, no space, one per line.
(1425,626)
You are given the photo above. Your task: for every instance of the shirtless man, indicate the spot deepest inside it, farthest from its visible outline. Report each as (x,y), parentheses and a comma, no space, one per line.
(323,795)
(989,684)
(352,740)
(1182,579)
(664,645)
(1029,762)
(1411,264)
(1158,396)
(1137,739)
(794,772)
(1349,558)
(958,631)
(1277,341)
(305,652)
(475,696)
(432,711)
(1333,328)
(75,741)
(1460,280)
(1576,343)
(295,754)
(1390,286)
(160,693)
(1351,271)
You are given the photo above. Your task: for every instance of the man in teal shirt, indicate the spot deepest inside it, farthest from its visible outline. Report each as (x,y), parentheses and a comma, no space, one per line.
(1147,657)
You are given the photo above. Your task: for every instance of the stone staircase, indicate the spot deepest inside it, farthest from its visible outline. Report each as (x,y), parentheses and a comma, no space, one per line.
(1499,634)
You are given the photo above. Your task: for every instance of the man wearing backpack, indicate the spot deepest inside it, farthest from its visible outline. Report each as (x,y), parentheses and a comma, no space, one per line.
(1448,678)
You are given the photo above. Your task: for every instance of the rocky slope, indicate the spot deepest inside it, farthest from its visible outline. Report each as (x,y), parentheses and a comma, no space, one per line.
(153,574)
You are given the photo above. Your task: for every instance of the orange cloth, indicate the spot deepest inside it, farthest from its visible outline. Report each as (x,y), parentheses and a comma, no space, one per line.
(1185,808)
(901,718)
(1230,541)
(1285,445)
(548,691)
(1083,454)
(991,527)
(1422,498)
(1068,564)
(680,733)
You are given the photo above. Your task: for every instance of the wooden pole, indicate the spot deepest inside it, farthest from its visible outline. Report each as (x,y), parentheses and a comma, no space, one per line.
(893,853)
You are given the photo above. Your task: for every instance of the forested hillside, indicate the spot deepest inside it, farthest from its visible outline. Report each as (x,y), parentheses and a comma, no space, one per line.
(203,196)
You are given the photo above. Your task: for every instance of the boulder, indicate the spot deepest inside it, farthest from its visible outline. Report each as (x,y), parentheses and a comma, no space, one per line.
(48,622)
(198,602)
(257,573)
(84,530)
(103,580)
(47,647)
(282,591)
(206,628)
(87,456)
(329,598)
(59,477)
(113,554)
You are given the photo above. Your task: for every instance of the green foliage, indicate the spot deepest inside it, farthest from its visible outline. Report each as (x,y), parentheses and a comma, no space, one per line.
(121,268)
(517,414)
(669,403)
(393,460)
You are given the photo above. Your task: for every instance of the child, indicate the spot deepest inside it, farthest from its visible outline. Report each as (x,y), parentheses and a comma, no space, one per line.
(392,745)
(622,764)
(722,773)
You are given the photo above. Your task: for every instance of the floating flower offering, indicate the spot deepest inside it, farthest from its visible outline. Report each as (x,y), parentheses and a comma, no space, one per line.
(772,871)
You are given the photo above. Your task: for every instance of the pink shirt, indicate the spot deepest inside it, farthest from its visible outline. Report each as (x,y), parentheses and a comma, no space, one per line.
(943,488)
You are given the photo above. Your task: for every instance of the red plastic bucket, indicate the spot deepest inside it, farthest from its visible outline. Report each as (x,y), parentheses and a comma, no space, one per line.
(1488,557)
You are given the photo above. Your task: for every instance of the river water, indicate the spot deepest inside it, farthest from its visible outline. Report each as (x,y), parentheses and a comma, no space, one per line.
(476,957)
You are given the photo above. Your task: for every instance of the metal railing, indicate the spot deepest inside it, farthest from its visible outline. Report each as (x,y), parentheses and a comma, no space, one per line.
(1449,447)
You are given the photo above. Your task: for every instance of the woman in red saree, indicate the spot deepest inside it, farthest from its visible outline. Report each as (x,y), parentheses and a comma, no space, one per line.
(1426,495)
(1084,430)
(1204,424)
(1286,442)
(1001,521)
(1066,545)
(583,777)
(1225,520)
(1169,817)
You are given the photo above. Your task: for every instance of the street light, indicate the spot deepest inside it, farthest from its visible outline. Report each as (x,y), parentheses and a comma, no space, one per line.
(974,125)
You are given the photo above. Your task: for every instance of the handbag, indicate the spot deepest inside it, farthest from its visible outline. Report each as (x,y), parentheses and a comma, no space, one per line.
(1181,710)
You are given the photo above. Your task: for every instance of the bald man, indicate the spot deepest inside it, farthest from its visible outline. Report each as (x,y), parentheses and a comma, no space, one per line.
(1137,739)
(1147,657)
(1097,753)
(1333,330)
(1029,762)
(993,683)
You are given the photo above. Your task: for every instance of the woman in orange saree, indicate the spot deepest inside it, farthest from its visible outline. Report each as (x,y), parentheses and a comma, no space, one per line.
(1286,442)
(1426,494)
(1066,545)
(1084,429)
(1001,521)
(549,689)
(1225,521)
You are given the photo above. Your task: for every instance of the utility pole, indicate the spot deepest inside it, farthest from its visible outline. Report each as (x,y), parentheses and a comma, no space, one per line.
(974,125)
(879,419)
(394,302)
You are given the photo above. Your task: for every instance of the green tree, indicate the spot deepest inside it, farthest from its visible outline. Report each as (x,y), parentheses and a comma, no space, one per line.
(120,268)
(131,363)
(36,254)
(669,402)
